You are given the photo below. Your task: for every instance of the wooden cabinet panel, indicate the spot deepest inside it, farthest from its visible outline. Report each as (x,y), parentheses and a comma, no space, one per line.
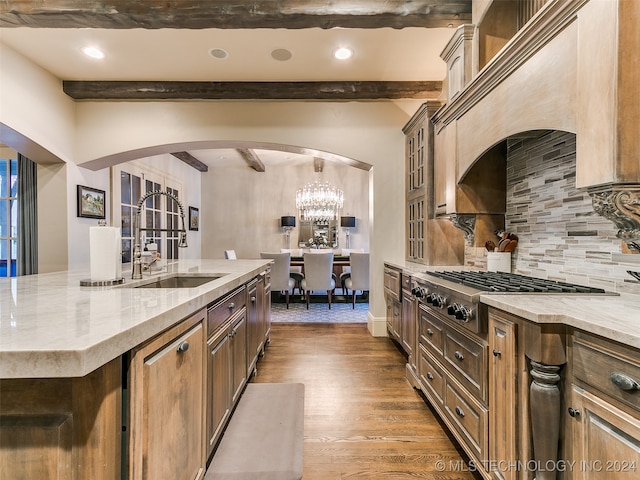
(238,345)
(431,331)
(468,361)
(432,376)
(408,323)
(606,439)
(218,387)
(253,340)
(167,405)
(612,369)
(469,416)
(62,428)
(223,309)
(503,404)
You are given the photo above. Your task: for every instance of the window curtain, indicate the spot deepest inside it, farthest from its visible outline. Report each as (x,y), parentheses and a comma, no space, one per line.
(27,216)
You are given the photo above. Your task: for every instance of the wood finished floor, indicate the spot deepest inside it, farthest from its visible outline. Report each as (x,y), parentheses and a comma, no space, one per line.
(363,420)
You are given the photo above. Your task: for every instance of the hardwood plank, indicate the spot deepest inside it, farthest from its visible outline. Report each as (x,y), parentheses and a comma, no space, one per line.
(154,90)
(363,420)
(196,14)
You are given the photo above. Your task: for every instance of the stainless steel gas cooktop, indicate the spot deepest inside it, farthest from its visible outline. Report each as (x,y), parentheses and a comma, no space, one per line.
(512,283)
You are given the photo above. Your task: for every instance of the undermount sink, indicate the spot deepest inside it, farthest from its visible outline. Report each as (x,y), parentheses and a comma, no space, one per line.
(178,281)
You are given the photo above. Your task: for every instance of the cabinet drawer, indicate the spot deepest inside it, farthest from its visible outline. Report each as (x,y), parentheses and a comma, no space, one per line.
(222,310)
(431,376)
(469,417)
(406,283)
(613,372)
(467,359)
(431,331)
(392,284)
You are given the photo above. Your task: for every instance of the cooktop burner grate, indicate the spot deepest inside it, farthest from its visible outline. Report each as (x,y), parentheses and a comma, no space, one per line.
(512,282)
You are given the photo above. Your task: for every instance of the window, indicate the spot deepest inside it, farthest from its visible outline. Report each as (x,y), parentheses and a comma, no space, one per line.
(134,182)
(8,216)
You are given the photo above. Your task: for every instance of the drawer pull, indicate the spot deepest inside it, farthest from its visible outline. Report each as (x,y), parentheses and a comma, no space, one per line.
(459,412)
(183,347)
(253,299)
(496,353)
(459,356)
(624,382)
(232,306)
(429,375)
(573,412)
(429,332)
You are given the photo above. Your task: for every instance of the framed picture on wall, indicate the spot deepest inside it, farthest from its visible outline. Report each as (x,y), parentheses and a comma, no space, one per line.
(194,219)
(91,202)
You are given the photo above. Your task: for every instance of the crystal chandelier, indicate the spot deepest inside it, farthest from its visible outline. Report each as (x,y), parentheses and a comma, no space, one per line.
(319,201)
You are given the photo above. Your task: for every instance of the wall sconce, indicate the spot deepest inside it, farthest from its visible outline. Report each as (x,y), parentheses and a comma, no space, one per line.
(287,223)
(348,223)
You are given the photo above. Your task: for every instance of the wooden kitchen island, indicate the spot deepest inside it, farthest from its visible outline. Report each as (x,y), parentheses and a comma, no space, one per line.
(120,382)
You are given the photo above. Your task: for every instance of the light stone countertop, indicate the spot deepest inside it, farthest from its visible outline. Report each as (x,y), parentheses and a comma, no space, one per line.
(616,317)
(50,326)
(610,316)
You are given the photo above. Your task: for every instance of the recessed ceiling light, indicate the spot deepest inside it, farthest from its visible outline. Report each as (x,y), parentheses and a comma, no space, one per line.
(281,54)
(218,53)
(93,52)
(343,53)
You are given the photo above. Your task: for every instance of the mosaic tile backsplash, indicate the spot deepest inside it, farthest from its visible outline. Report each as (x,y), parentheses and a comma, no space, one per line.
(560,236)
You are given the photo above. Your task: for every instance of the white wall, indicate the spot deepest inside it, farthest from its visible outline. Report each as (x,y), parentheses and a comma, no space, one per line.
(244,206)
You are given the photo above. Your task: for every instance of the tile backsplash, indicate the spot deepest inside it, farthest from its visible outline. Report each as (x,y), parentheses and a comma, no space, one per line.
(560,236)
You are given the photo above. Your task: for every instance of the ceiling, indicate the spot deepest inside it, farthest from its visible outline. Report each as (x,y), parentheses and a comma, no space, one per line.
(389,49)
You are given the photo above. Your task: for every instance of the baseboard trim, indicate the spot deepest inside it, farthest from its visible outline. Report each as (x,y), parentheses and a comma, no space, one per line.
(377,326)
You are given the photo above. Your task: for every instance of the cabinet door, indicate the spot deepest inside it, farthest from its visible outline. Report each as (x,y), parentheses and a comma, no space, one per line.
(167,427)
(606,440)
(252,327)
(238,337)
(218,386)
(408,326)
(416,223)
(502,397)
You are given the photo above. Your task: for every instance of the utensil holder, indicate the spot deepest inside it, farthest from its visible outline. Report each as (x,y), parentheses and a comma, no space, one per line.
(499,262)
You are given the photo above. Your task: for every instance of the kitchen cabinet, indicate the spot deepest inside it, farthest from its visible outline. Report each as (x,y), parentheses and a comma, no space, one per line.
(226,324)
(238,347)
(265,295)
(604,409)
(452,369)
(429,240)
(258,319)
(393,295)
(42,419)
(503,394)
(167,401)
(408,328)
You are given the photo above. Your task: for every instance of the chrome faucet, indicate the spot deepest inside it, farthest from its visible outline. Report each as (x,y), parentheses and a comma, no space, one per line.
(136,271)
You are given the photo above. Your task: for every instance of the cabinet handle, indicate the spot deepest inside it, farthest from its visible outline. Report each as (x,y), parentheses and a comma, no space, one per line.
(496,353)
(459,412)
(573,412)
(429,376)
(183,347)
(624,382)
(459,356)
(253,299)
(429,332)
(232,305)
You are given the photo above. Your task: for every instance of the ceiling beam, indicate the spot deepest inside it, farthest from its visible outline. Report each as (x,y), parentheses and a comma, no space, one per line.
(345,90)
(318,164)
(192,161)
(252,159)
(193,14)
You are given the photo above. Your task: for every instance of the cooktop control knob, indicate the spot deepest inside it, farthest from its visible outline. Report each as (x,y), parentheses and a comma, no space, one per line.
(453,309)
(430,298)
(464,314)
(439,301)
